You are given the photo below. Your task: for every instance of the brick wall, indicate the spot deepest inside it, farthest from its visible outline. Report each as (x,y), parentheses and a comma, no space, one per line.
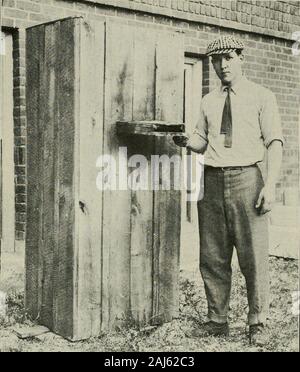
(279,17)
(265,26)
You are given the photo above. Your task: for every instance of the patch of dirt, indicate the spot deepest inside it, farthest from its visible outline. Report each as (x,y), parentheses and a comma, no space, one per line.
(173,337)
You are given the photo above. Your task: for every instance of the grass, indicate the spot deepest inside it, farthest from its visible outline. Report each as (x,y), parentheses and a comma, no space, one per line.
(173,337)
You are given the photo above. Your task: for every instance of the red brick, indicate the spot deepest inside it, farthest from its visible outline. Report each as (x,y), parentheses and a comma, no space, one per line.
(21,217)
(7,22)
(29,6)
(9,3)
(21,180)
(20,227)
(21,198)
(20,141)
(20,170)
(21,189)
(15,13)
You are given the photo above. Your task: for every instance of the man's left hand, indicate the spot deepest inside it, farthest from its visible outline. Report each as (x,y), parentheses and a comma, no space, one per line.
(266,199)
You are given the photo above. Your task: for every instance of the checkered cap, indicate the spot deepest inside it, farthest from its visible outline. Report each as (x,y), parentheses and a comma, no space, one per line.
(225,44)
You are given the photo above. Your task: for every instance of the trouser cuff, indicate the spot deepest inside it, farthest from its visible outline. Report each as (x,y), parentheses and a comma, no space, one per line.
(217,318)
(260,318)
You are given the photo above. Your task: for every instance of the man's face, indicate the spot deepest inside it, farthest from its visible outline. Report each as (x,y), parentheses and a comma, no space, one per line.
(228,66)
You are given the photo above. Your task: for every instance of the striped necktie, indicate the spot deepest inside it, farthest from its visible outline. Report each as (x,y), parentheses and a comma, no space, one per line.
(226,127)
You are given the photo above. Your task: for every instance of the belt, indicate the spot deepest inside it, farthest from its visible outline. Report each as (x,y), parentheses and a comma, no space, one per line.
(224,169)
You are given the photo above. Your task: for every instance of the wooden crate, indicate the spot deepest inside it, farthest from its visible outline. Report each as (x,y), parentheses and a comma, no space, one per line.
(95,259)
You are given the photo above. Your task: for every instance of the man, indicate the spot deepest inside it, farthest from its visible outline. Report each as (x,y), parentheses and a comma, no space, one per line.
(237,122)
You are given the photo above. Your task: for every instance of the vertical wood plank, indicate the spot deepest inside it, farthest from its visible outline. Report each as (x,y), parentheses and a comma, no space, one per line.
(64,271)
(56,175)
(88,198)
(167,204)
(34,61)
(116,204)
(142,200)
(47,123)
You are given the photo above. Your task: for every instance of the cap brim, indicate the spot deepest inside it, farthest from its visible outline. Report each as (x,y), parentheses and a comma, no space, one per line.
(222,51)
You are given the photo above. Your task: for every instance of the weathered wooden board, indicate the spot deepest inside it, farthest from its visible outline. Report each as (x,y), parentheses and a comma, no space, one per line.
(29,332)
(88,269)
(167,205)
(149,127)
(34,267)
(48,176)
(117,204)
(142,199)
(66,96)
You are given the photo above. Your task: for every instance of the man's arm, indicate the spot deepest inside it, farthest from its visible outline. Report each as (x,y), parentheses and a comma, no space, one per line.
(274,162)
(273,139)
(195,143)
(198,141)
(267,195)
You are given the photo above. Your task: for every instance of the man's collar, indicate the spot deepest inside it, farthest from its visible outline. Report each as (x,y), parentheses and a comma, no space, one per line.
(236,87)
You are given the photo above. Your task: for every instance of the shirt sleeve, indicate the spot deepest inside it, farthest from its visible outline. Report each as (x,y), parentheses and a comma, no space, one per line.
(270,121)
(201,127)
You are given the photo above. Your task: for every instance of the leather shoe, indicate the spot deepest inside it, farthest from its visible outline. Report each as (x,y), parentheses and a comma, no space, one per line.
(211,329)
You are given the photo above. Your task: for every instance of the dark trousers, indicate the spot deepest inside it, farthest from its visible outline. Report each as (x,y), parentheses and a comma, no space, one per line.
(228,218)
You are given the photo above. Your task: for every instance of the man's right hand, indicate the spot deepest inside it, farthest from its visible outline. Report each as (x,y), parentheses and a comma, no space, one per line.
(181,141)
